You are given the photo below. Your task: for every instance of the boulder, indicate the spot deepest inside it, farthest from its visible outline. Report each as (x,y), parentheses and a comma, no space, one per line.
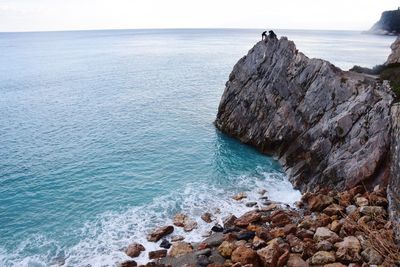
(361,201)
(128,264)
(372,257)
(229,221)
(322,257)
(348,250)
(324,245)
(179,219)
(165,244)
(324,233)
(245,255)
(159,233)
(295,260)
(319,202)
(207,217)
(134,250)
(176,238)
(247,218)
(373,211)
(239,196)
(334,209)
(269,255)
(157,254)
(226,249)
(180,248)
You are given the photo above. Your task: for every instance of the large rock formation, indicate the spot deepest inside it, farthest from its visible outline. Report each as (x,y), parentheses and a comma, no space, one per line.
(394,185)
(389,23)
(394,57)
(328,127)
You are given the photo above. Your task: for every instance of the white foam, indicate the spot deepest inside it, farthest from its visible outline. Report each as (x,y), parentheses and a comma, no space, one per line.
(102,241)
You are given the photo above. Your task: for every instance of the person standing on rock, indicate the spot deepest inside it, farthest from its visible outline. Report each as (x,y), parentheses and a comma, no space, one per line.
(264,35)
(272,35)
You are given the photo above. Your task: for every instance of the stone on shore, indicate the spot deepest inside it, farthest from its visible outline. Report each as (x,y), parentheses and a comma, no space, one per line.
(322,257)
(159,233)
(180,248)
(245,255)
(157,254)
(134,250)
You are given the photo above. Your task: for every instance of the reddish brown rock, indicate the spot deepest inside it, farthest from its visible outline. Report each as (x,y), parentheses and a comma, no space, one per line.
(245,255)
(290,229)
(207,217)
(280,218)
(270,254)
(322,257)
(239,196)
(179,249)
(247,218)
(128,264)
(258,243)
(319,202)
(159,233)
(157,254)
(345,198)
(277,232)
(296,245)
(134,250)
(179,220)
(335,264)
(295,260)
(334,209)
(335,226)
(283,259)
(324,233)
(348,250)
(376,200)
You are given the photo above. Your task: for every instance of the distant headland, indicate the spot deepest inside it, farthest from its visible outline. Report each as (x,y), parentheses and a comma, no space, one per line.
(389,23)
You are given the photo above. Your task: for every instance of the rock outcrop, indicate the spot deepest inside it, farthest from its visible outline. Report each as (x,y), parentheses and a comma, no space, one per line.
(328,127)
(389,23)
(394,185)
(394,57)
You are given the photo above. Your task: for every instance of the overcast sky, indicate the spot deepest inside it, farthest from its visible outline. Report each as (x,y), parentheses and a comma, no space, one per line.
(41,15)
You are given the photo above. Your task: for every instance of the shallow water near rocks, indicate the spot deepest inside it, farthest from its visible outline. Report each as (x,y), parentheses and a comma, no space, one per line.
(106,134)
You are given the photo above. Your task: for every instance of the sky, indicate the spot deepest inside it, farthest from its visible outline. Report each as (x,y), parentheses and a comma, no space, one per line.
(50,15)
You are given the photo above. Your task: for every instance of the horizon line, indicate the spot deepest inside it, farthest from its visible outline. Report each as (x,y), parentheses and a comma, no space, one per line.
(192,28)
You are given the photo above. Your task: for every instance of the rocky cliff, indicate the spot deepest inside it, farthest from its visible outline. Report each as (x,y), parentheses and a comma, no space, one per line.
(394,57)
(328,127)
(394,185)
(389,23)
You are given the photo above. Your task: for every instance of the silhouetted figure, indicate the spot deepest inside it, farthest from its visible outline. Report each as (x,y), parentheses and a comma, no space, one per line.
(272,35)
(264,35)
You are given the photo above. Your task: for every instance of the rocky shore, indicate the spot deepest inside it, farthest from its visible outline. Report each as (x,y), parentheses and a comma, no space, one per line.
(328,228)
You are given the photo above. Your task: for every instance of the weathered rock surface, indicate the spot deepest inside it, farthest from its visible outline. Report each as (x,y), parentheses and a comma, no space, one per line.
(394,57)
(328,127)
(393,189)
(134,250)
(159,233)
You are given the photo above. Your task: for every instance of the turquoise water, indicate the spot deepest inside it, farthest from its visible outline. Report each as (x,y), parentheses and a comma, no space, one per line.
(105,134)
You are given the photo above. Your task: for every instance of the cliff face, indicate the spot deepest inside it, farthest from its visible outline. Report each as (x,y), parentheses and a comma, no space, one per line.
(389,23)
(394,185)
(328,127)
(394,57)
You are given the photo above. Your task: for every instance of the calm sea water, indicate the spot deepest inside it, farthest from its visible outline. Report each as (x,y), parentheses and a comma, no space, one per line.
(105,134)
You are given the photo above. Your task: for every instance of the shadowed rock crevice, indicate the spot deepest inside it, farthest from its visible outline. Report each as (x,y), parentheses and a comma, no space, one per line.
(328,127)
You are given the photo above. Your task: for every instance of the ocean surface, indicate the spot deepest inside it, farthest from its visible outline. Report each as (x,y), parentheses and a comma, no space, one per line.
(106,134)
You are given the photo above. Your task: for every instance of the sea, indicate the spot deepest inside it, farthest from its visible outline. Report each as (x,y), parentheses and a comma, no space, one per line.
(106,134)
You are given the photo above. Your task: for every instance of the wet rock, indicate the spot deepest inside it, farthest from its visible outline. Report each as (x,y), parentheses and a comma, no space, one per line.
(206,251)
(157,254)
(165,244)
(229,221)
(324,233)
(128,264)
(247,235)
(177,238)
(134,250)
(226,249)
(270,207)
(295,260)
(251,204)
(215,240)
(373,211)
(239,196)
(245,255)
(179,249)
(371,256)
(202,261)
(189,225)
(247,218)
(280,218)
(179,219)
(361,201)
(322,257)
(207,217)
(217,228)
(159,233)
(319,202)
(269,255)
(348,250)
